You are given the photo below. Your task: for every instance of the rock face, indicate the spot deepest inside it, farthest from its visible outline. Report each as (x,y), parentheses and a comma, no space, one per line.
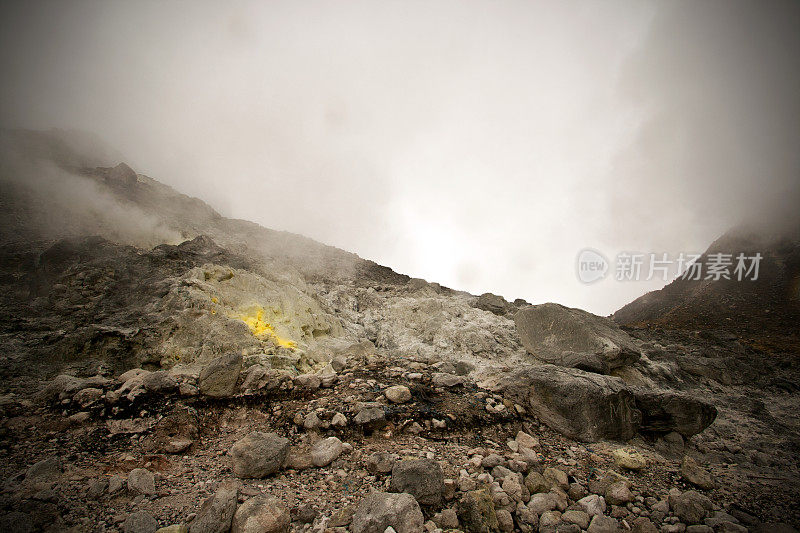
(261,514)
(216,513)
(422,478)
(577,404)
(259,454)
(379,511)
(574,338)
(218,378)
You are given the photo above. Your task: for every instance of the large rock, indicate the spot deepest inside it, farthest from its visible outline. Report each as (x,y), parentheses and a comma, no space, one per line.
(261,514)
(580,405)
(493,303)
(574,338)
(218,378)
(216,513)
(422,478)
(380,510)
(258,454)
(665,411)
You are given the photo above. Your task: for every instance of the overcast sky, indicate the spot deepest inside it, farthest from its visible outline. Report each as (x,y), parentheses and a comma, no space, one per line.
(478,144)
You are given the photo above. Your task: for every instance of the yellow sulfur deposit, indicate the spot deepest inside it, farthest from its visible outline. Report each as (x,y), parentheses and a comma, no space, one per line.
(254,319)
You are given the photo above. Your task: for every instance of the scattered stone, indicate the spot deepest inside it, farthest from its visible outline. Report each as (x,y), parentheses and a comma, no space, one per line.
(593,504)
(441,379)
(619,494)
(141,481)
(304,513)
(308,381)
(556,478)
(691,506)
(174,528)
(695,474)
(527,441)
(216,512)
(422,478)
(536,483)
(87,397)
(258,454)
(46,470)
(477,512)
(381,462)
(261,514)
(539,503)
(370,416)
(380,510)
(504,520)
(643,525)
(140,522)
(325,451)
(603,524)
(629,459)
(398,394)
(549,520)
(579,518)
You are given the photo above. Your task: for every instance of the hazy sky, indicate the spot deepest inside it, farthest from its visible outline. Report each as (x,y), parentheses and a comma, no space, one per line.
(478,144)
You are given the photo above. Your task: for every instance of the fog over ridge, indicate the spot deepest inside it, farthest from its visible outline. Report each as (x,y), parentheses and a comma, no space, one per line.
(476,144)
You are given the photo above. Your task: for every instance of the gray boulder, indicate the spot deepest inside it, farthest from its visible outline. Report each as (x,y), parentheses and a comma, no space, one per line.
(218,378)
(261,514)
(258,454)
(422,478)
(493,303)
(574,338)
(380,510)
(580,405)
(665,411)
(216,513)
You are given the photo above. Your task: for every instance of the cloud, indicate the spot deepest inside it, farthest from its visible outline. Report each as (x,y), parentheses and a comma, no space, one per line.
(478,144)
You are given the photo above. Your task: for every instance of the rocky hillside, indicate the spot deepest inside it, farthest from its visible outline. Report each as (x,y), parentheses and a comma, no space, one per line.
(766,307)
(166,367)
